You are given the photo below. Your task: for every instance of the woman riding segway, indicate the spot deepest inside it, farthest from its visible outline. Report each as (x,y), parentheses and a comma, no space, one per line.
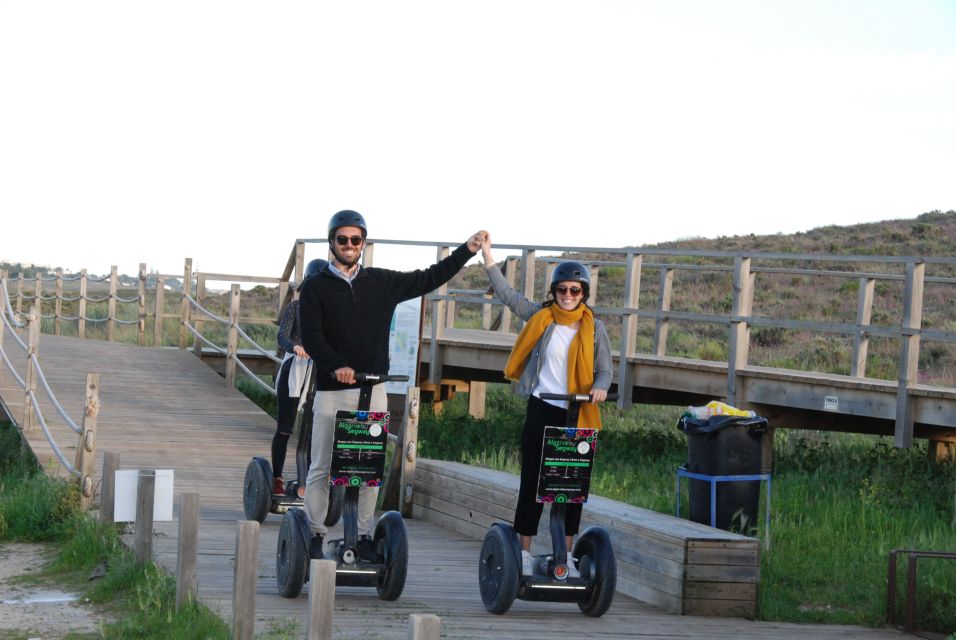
(563,354)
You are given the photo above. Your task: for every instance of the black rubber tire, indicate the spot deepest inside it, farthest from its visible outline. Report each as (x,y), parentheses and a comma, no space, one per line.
(595,555)
(498,570)
(336,500)
(292,556)
(391,541)
(257,489)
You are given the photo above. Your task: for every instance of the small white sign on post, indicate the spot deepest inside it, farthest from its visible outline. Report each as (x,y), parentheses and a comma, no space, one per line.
(124,505)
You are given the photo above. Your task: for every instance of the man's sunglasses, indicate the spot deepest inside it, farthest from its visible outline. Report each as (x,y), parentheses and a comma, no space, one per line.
(344,240)
(575,291)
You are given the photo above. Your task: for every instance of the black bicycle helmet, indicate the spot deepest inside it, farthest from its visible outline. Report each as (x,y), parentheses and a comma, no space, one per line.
(571,271)
(314,267)
(347,218)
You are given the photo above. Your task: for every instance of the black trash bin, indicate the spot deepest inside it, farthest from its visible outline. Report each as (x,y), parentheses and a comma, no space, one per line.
(725,446)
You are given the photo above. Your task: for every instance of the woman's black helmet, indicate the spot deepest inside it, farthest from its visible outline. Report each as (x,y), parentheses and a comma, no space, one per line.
(314,267)
(347,218)
(572,271)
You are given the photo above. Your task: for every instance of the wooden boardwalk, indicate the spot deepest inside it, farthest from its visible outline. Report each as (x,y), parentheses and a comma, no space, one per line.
(163,408)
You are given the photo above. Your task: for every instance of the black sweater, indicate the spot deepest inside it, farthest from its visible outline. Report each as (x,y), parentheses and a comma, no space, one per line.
(347,324)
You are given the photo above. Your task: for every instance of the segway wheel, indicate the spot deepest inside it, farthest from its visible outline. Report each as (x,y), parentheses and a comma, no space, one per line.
(257,489)
(336,500)
(391,541)
(595,560)
(498,570)
(292,555)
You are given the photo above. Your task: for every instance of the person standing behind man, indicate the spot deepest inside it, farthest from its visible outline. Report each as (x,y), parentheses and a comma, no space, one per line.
(345,313)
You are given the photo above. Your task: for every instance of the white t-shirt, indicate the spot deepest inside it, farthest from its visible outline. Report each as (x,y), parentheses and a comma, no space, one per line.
(553,377)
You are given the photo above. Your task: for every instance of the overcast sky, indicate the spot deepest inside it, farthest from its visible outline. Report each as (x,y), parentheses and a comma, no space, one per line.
(222,131)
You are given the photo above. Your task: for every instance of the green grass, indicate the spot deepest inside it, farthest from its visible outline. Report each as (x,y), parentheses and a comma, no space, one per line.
(840,503)
(141,598)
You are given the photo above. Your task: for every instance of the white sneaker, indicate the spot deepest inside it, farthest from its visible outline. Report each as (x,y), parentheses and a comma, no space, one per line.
(572,569)
(526,560)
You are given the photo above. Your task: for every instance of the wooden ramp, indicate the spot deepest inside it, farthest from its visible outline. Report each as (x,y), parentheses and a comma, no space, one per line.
(163,408)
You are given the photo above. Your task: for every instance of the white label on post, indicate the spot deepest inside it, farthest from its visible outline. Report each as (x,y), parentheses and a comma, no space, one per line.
(831,403)
(124,505)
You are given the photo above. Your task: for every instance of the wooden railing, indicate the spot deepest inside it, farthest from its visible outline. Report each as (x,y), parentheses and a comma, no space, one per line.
(646,296)
(34,380)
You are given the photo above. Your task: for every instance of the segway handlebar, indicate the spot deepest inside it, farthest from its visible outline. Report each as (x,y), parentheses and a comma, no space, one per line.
(574,397)
(375,378)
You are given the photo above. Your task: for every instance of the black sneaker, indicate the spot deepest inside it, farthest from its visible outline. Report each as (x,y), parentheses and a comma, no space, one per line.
(367,550)
(315,547)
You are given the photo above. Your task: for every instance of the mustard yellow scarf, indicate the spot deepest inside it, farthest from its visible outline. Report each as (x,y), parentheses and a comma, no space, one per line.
(580,355)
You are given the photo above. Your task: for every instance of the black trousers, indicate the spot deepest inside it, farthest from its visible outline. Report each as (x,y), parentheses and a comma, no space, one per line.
(285,411)
(528,511)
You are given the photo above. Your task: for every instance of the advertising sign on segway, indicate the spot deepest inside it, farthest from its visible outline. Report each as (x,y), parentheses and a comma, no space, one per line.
(358,450)
(566,458)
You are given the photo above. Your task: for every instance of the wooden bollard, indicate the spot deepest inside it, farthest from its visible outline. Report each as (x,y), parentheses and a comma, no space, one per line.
(244,580)
(145,494)
(186,583)
(423,626)
(111,462)
(321,600)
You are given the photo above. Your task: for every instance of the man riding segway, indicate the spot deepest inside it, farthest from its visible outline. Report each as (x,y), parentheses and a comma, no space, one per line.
(345,313)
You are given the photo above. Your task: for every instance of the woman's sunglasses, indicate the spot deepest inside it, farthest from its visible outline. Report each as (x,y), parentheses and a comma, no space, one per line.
(344,240)
(575,291)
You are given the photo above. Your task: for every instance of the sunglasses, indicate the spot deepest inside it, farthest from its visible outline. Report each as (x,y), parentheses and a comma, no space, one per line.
(344,240)
(575,291)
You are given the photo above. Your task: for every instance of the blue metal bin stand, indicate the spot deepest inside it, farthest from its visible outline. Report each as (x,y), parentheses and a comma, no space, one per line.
(713,480)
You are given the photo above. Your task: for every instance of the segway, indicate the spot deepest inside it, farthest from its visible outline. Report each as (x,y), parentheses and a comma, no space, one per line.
(258,500)
(358,458)
(563,478)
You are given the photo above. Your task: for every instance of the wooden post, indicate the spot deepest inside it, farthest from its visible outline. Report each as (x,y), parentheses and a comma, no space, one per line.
(33,348)
(739,344)
(145,494)
(232,340)
(142,304)
(160,311)
(595,272)
(549,268)
(632,298)
(111,463)
(20,293)
(409,451)
(111,305)
(85,456)
(299,261)
(861,339)
(511,275)
(476,398)
(321,600)
(38,298)
(486,312)
(199,322)
(450,309)
(184,311)
(527,269)
(58,303)
(438,325)
(368,254)
(188,549)
(909,352)
(424,626)
(244,580)
(663,304)
(81,306)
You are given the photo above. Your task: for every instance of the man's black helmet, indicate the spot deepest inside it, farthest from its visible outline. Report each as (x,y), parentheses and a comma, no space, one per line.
(572,271)
(314,267)
(347,218)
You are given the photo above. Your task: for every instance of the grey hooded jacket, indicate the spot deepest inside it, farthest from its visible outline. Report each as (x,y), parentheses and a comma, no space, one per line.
(524,309)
